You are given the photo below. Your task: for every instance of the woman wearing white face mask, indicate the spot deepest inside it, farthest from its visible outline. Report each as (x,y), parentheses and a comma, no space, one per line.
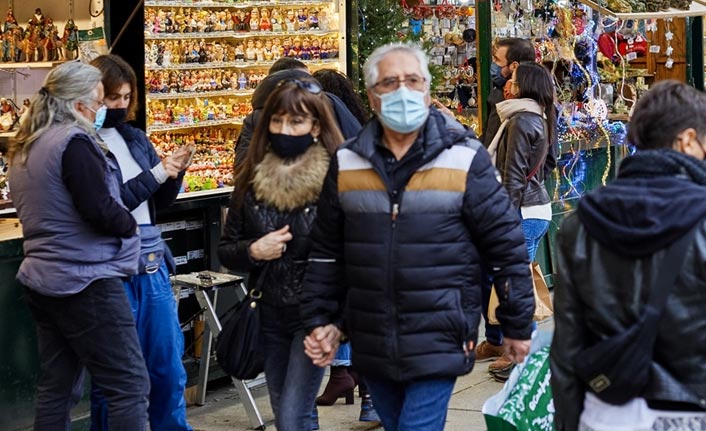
(79,241)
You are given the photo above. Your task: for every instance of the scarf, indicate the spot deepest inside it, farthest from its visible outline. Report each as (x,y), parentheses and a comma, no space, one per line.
(506,109)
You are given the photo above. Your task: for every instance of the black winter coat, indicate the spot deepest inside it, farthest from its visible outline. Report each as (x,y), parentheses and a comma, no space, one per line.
(402,252)
(287,197)
(609,251)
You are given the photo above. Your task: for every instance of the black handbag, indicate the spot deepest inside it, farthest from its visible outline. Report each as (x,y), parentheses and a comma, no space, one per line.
(617,369)
(239,345)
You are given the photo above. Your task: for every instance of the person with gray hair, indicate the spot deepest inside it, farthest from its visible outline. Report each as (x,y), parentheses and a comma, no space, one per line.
(79,241)
(410,210)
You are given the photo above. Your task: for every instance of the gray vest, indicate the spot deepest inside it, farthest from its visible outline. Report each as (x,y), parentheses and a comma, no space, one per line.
(62,253)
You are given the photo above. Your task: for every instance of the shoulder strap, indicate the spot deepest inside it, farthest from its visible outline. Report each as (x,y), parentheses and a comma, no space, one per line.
(667,275)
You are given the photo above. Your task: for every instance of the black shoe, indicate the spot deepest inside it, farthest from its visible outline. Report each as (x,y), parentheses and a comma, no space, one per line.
(503,374)
(367,410)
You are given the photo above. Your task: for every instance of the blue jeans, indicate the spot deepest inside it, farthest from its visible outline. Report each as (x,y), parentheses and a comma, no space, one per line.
(534,230)
(419,405)
(292,379)
(93,328)
(153,305)
(343,356)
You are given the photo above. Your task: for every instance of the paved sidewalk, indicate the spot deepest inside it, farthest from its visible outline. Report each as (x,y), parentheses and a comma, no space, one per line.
(223,411)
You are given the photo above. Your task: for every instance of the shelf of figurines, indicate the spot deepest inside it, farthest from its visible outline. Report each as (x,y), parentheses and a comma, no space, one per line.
(233,4)
(195,94)
(212,165)
(229,34)
(312,64)
(696,8)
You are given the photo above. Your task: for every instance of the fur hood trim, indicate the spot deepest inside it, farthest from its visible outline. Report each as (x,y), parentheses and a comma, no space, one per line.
(291,184)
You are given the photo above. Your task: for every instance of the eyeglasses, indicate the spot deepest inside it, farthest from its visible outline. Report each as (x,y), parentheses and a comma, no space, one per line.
(100,105)
(413,82)
(310,86)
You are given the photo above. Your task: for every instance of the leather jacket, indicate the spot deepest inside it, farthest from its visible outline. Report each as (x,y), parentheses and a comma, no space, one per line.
(522,151)
(600,293)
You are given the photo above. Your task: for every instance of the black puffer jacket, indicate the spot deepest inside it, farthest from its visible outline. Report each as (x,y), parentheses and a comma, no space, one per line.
(403,251)
(281,195)
(609,251)
(522,152)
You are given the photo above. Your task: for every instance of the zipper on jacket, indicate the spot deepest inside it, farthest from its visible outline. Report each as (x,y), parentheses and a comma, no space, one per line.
(394,195)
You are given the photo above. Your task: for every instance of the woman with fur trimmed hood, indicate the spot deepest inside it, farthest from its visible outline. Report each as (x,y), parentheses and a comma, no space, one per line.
(267,234)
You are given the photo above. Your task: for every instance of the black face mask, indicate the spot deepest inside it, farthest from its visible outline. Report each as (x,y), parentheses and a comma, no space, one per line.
(115,117)
(288,146)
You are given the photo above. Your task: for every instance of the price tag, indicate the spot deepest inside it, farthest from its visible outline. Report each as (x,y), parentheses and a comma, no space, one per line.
(654,49)
(631,56)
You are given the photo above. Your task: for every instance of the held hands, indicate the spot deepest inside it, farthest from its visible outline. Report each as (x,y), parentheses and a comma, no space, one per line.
(322,343)
(516,349)
(271,246)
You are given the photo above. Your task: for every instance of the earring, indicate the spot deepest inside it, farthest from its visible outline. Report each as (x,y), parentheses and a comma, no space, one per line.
(316,140)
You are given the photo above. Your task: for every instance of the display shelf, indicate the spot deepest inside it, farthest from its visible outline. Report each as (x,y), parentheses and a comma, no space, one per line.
(229,34)
(31,65)
(208,123)
(698,8)
(194,94)
(205,193)
(239,5)
(312,64)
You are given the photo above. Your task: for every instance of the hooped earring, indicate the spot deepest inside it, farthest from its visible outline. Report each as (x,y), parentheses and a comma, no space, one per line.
(316,140)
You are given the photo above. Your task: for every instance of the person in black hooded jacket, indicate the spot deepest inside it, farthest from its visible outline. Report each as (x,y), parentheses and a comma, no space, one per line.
(612,247)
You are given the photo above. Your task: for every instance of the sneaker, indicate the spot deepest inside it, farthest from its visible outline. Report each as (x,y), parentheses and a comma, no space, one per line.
(367,411)
(503,363)
(502,375)
(486,352)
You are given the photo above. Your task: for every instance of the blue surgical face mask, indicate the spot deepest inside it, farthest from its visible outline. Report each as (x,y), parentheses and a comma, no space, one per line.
(403,110)
(496,74)
(100,116)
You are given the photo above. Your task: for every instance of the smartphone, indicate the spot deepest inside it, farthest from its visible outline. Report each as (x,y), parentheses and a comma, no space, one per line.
(192,150)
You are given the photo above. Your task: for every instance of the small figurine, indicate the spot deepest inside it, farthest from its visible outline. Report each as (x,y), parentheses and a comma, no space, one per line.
(291,21)
(305,51)
(10,21)
(254,20)
(70,40)
(242,81)
(259,51)
(315,49)
(250,54)
(276,20)
(302,19)
(314,20)
(239,52)
(265,23)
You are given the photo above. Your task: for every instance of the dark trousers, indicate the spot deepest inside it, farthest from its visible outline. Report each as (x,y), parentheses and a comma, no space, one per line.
(292,379)
(93,328)
(157,320)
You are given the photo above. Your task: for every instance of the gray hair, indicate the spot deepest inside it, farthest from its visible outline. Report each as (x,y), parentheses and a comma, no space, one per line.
(55,103)
(371,72)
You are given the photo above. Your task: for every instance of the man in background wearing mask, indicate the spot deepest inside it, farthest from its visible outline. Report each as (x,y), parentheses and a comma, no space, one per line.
(410,208)
(509,53)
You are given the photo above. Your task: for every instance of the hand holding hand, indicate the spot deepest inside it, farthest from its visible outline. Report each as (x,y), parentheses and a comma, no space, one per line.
(321,345)
(516,349)
(271,246)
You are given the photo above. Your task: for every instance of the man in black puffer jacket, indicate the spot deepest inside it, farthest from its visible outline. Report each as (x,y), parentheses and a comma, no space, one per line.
(410,208)
(609,251)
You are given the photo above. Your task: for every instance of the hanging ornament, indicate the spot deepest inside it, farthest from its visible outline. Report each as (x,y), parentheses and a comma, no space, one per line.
(668,35)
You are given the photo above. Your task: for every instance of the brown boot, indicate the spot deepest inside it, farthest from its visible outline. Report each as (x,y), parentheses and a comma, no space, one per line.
(487,352)
(339,385)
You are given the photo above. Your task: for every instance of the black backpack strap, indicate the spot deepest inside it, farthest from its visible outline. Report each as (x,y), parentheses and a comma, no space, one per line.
(667,276)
